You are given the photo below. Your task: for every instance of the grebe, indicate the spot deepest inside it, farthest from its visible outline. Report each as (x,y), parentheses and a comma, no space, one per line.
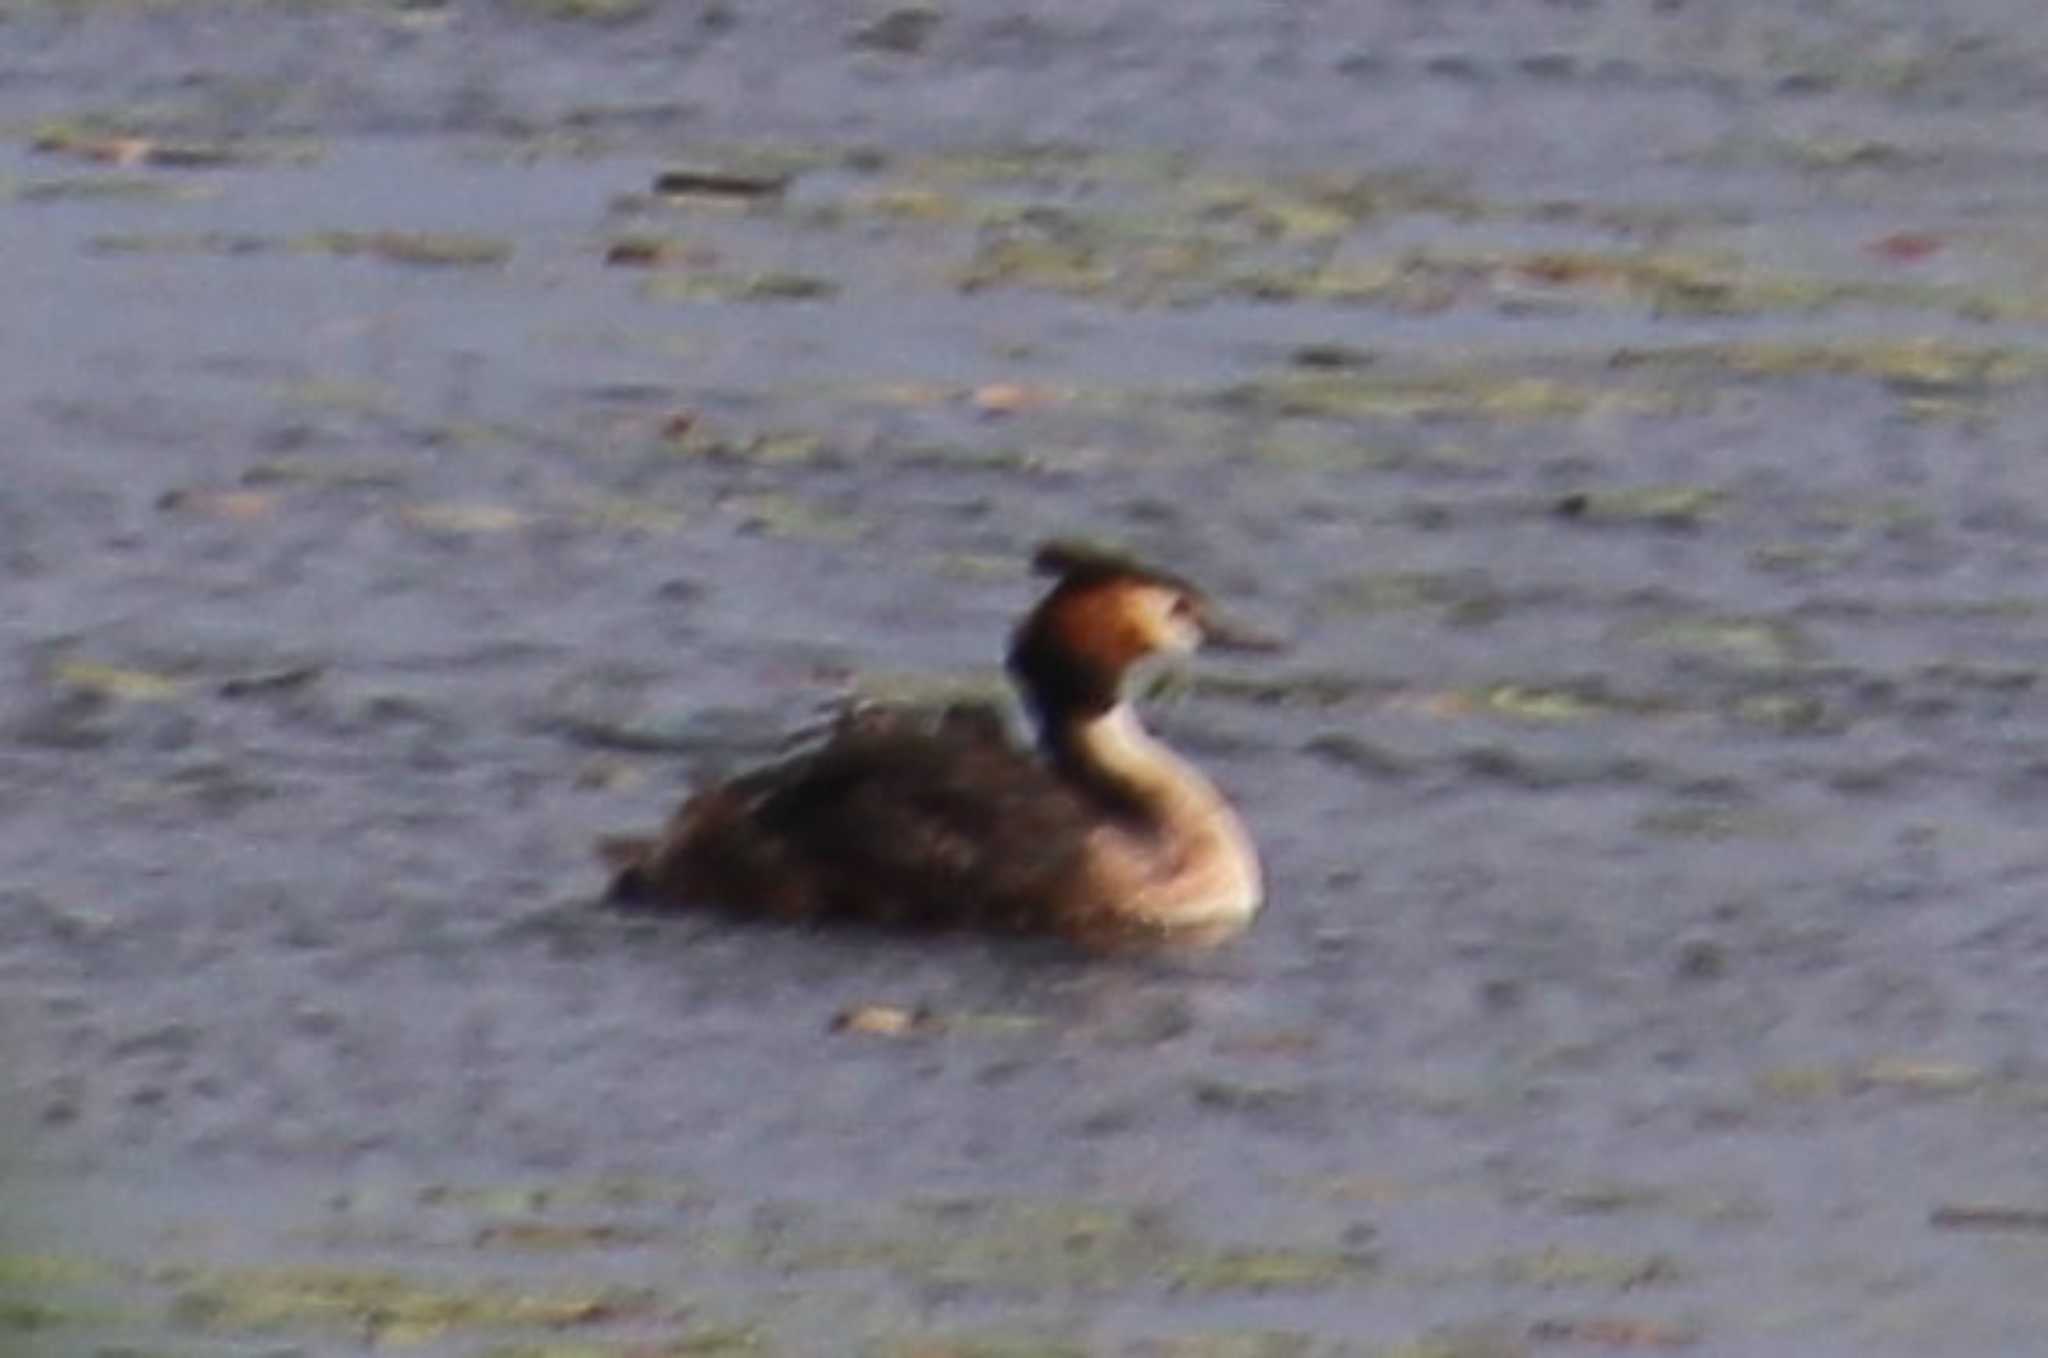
(1102,834)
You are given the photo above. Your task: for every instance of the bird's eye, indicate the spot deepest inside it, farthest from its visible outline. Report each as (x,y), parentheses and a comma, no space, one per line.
(1183,608)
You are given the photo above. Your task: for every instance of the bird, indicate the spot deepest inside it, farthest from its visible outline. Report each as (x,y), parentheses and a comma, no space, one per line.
(1095,832)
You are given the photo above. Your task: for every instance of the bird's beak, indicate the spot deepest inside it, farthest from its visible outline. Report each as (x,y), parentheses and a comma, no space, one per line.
(1234,634)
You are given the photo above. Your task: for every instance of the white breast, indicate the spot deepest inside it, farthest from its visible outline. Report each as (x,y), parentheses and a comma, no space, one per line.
(1194,868)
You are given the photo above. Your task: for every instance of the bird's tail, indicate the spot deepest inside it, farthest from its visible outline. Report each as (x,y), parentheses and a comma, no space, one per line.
(627,856)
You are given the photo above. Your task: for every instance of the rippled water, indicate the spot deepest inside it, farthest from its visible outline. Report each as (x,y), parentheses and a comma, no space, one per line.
(1631,412)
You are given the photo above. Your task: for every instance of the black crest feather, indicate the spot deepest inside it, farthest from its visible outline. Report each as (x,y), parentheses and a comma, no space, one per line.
(1080,562)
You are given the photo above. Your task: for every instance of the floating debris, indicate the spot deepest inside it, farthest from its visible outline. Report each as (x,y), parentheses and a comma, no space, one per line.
(1906,247)
(1753,642)
(658,252)
(242,505)
(1614,1332)
(904,29)
(1921,1077)
(1959,1217)
(120,683)
(553,1236)
(263,683)
(883,1020)
(1009,398)
(1330,355)
(131,151)
(222,243)
(1559,1267)
(705,182)
(1660,506)
(464,520)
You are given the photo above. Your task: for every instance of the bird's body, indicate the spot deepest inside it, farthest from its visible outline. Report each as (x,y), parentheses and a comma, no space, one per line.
(940,820)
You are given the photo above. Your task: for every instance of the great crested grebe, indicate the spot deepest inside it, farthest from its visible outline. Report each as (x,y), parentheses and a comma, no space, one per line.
(1101,834)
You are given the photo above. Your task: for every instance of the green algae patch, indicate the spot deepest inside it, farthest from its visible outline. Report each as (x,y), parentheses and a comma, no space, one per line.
(706,1343)
(1828,154)
(42,1295)
(1161,234)
(775,514)
(1756,643)
(1273,1270)
(902,203)
(715,286)
(457,519)
(1802,559)
(219,244)
(1717,823)
(1480,1342)
(1671,283)
(41,1272)
(1787,714)
(115,142)
(522,1200)
(397,1309)
(597,12)
(1800,1084)
(1674,282)
(345,397)
(1133,260)
(32,1317)
(1394,284)
(1548,704)
(1246,1344)
(1557,1267)
(1664,283)
(625,514)
(1613,1198)
(1004,1246)
(1023,1248)
(1928,1078)
(1676,506)
(558,1237)
(1047,165)
(1071,268)
(1127,257)
(1377,592)
(979,1346)
(117,683)
(1274,215)
(1648,382)
(1309,448)
(1469,393)
(1309,689)
(109,187)
(779,447)
(332,473)
(1911,366)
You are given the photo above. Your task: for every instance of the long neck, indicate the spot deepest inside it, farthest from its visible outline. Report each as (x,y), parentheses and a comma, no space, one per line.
(1186,860)
(1113,756)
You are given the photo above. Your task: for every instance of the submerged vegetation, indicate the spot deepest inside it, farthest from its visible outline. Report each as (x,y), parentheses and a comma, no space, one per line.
(440,430)
(1047,1259)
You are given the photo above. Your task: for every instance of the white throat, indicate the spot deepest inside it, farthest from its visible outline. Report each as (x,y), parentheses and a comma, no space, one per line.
(1195,865)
